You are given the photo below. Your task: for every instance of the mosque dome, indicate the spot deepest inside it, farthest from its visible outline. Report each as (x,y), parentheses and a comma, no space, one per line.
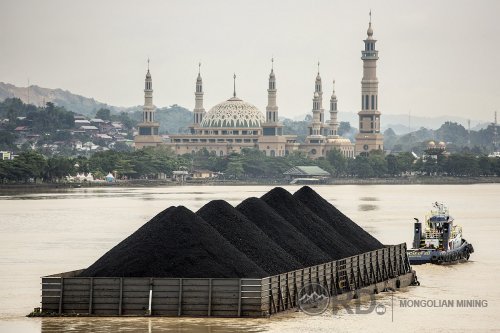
(339,141)
(233,113)
(442,144)
(431,144)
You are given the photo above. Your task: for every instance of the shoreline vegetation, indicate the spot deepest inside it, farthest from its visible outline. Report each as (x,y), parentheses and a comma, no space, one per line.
(413,180)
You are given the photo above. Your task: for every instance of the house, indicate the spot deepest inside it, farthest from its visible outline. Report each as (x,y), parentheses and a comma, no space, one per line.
(6,155)
(89,129)
(81,122)
(203,174)
(79,117)
(179,175)
(306,174)
(22,129)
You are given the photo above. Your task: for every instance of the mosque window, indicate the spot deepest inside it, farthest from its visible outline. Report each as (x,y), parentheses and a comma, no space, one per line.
(273,153)
(373,102)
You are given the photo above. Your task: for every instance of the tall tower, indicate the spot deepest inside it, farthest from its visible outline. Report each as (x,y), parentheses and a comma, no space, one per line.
(149,127)
(369,137)
(333,124)
(199,111)
(317,124)
(272,141)
(272,108)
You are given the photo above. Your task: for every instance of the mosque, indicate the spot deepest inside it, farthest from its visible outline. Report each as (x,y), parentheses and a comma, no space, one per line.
(234,124)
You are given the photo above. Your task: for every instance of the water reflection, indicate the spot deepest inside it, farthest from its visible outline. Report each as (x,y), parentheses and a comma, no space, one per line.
(366,207)
(368,199)
(151,325)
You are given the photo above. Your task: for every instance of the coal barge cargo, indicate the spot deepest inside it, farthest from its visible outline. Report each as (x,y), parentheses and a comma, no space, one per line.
(252,260)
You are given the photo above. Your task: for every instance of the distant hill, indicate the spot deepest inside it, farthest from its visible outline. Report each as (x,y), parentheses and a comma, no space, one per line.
(173,119)
(39,96)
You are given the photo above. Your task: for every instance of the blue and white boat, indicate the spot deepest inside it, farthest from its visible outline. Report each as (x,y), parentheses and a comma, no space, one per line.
(438,240)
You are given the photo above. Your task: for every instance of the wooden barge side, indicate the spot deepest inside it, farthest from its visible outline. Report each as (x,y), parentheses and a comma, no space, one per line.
(66,294)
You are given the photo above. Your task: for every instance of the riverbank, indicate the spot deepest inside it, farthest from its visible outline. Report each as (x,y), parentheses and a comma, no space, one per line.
(420,180)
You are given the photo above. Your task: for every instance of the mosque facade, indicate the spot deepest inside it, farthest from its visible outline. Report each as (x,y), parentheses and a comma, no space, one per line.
(235,124)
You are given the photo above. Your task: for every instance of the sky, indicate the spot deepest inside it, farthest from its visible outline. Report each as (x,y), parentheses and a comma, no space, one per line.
(436,57)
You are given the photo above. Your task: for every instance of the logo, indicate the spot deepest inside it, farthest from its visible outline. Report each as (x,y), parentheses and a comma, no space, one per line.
(380,309)
(313,299)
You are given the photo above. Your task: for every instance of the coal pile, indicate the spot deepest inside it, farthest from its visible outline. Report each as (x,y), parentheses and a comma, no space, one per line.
(344,225)
(247,237)
(278,233)
(282,232)
(175,243)
(313,227)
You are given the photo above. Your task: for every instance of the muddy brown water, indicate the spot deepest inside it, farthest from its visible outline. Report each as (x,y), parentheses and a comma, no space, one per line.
(46,233)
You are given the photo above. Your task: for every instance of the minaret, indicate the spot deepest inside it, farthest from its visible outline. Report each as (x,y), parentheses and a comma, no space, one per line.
(333,124)
(272,108)
(199,111)
(148,108)
(149,128)
(272,142)
(369,137)
(272,126)
(318,113)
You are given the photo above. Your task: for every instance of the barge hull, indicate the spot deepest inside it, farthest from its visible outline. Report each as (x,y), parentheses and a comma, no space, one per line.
(66,294)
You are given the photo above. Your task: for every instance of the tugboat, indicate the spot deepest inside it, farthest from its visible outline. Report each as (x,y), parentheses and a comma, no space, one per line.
(439,241)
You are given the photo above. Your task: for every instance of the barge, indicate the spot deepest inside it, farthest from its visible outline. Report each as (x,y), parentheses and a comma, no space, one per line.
(66,294)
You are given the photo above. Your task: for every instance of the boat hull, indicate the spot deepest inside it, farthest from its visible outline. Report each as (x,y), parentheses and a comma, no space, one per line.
(434,256)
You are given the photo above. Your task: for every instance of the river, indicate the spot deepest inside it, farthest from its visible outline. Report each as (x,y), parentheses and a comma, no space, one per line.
(48,233)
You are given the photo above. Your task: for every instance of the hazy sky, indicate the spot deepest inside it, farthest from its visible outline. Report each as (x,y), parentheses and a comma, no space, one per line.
(436,57)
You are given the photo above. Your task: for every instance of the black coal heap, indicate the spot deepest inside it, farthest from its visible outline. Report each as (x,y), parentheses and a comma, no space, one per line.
(278,233)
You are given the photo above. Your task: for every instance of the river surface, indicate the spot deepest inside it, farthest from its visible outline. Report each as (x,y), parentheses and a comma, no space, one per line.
(48,233)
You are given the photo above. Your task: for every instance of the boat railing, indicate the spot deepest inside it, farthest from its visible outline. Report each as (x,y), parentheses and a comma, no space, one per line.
(432,233)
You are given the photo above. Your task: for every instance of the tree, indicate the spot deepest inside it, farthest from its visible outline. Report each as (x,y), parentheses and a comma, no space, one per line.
(405,162)
(57,168)
(344,128)
(338,162)
(361,167)
(235,166)
(378,163)
(7,140)
(392,165)
(104,114)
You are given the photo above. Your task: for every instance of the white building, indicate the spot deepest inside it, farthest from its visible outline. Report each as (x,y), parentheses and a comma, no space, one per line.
(234,124)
